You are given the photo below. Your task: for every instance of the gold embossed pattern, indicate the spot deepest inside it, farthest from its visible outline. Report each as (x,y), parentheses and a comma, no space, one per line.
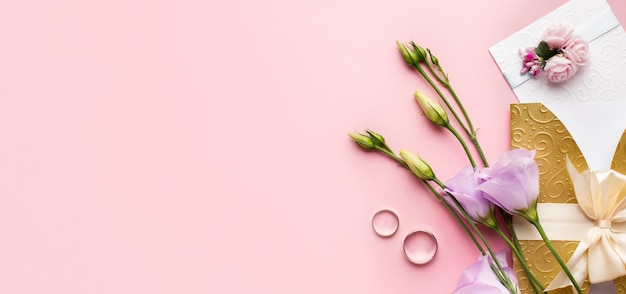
(534,127)
(619,164)
(619,159)
(543,264)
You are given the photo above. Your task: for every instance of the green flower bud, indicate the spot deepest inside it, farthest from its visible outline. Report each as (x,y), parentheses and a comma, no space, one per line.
(433,59)
(409,55)
(364,141)
(432,109)
(419,51)
(417,165)
(377,138)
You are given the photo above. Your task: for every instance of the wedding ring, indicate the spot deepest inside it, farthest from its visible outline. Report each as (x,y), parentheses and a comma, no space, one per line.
(420,246)
(385,223)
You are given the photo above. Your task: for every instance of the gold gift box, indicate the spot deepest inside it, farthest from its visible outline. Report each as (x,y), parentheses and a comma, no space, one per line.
(534,127)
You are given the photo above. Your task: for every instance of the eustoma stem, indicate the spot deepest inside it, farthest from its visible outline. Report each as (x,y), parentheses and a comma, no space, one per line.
(537,224)
(393,156)
(508,220)
(458,219)
(503,276)
(472,135)
(442,96)
(469,130)
(534,282)
(458,136)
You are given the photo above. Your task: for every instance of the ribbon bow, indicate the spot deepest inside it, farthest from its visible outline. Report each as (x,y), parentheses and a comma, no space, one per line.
(601,254)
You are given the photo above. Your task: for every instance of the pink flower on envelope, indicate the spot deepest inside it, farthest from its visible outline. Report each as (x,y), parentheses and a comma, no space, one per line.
(559,69)
(532,62)
(559,54)
(577,51)
(557,36)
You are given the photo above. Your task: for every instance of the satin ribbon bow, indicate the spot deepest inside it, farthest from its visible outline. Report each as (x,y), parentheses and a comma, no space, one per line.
(601,254)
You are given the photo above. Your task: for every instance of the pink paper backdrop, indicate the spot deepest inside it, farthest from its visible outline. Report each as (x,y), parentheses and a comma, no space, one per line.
(200,146)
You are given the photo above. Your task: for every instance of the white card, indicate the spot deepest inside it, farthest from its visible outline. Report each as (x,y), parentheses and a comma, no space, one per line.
(592,104)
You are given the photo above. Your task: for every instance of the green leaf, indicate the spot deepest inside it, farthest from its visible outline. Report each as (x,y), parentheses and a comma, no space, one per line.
(544,51)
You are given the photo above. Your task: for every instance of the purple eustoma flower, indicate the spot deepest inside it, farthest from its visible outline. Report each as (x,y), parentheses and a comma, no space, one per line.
(480,278)
(463,187)
(513,182)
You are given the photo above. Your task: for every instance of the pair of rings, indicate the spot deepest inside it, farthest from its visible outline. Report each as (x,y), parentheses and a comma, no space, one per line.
(420,246)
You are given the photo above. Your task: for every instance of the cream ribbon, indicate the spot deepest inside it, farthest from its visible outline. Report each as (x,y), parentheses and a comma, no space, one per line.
(601,253)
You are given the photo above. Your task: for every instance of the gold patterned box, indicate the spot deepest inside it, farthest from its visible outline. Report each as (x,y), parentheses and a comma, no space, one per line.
(534,127)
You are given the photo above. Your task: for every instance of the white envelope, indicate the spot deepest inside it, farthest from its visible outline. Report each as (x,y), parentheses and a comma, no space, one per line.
(592,104)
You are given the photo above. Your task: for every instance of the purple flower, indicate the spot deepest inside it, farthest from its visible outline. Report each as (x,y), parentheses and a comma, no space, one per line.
(513,182)
(480,278)
(463,187)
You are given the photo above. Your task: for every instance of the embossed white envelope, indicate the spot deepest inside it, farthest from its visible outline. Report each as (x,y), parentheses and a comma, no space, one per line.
(592,104)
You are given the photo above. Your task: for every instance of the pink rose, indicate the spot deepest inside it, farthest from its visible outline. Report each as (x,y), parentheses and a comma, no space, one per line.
(557,35)
(576,50)
(559,69)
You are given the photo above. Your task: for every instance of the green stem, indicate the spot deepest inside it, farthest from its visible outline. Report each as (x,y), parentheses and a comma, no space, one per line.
(442,96)
(471,134)
(506,282)
(478,232)
(470,131)
(534,282)
(508,220)
(502,276)
(458,219)
(461,107)
(458,136)
(392,155)
(479,149)
(537,224)
(436,75)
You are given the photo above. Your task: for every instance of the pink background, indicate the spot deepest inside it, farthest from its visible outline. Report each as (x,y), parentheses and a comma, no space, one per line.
(200,146)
